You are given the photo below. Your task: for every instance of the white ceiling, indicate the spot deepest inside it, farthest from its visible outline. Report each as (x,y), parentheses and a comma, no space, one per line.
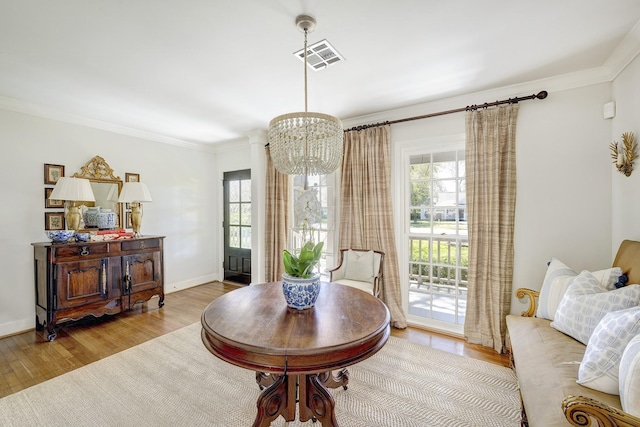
(209,71)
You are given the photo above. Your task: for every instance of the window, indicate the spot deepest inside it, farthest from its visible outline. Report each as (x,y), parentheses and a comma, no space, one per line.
(314,216)
(240,214)
(438,237)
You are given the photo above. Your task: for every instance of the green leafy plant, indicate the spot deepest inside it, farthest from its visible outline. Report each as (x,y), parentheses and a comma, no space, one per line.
(302,265)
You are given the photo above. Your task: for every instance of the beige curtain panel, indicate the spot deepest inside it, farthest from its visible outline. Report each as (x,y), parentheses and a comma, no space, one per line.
(491,199)
(276,220)
(366,215)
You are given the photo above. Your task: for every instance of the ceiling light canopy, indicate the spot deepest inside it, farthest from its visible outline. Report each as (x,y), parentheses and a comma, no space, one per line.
(305,143)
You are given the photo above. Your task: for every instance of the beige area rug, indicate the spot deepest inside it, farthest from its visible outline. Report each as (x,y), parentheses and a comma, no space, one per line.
(174,381)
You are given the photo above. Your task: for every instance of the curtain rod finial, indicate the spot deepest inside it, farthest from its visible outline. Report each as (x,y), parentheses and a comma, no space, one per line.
(542,94)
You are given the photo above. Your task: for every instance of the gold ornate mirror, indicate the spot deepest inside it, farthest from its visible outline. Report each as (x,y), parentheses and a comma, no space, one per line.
(105,185)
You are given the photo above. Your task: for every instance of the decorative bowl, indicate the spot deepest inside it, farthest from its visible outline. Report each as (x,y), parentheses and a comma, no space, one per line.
(82,237)
(59,236)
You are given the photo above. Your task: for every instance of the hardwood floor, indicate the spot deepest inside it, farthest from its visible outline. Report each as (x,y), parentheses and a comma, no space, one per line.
(28,358)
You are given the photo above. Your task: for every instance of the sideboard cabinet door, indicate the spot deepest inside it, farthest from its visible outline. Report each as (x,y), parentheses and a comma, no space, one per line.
(82,282)
(143,277)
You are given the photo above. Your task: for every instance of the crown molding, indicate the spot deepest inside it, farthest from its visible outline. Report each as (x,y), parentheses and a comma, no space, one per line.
(50,113)
(624,53)
(231,145)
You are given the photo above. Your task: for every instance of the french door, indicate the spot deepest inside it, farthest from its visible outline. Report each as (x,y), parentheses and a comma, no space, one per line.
(237,226)
(437,238)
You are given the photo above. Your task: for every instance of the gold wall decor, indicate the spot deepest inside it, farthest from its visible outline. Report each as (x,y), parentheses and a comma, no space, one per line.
(103,179)
(624,153)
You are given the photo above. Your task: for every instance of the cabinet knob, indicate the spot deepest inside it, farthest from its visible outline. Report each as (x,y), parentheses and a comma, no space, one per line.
(84,251)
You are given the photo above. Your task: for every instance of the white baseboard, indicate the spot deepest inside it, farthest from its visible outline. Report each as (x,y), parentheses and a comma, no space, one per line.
(174,287)
(17,326)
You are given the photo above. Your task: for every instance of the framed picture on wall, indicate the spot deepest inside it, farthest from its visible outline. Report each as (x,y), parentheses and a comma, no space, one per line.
(129,224)
(131,177)
(52,173)
(54,221)
(52,204)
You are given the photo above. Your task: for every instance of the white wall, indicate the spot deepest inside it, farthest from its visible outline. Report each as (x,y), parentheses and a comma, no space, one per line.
(184,207)
(564,185)
(626,190)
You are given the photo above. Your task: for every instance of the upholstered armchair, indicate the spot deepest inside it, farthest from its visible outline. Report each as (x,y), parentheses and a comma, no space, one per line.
(359,268)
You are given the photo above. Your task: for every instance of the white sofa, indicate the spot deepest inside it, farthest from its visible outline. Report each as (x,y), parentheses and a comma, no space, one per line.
(547,361)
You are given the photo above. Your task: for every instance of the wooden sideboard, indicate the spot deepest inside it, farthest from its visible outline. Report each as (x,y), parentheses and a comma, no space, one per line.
(74,280)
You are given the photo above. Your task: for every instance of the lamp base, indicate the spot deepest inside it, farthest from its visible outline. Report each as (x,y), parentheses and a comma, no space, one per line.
(136,219)
(73,218)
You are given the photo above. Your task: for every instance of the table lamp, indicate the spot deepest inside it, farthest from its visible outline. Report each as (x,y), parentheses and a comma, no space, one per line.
(72,190)
(135,193)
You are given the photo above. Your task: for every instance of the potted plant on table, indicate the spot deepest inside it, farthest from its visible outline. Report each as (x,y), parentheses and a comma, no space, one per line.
(300,281)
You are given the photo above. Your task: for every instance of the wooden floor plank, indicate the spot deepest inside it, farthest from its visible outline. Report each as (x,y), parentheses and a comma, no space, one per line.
(28,358)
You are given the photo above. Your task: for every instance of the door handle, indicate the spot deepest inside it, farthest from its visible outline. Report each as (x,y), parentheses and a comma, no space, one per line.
(104,279)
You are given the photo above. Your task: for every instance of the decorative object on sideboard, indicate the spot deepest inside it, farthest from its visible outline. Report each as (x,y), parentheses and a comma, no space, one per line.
(102,219)
(135,193)
(52,173)
(82,237)
(106,220)
(73,190)
(59,236)
(90,217)
(304,143)
(624,153)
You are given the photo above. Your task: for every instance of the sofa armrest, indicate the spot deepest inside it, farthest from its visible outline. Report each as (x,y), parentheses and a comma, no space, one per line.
(533,295)
(585,411)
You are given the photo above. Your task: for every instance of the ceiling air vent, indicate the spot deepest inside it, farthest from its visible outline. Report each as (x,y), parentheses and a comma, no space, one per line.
(320,55)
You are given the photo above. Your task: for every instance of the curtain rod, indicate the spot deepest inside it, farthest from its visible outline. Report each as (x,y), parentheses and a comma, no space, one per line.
(540,95)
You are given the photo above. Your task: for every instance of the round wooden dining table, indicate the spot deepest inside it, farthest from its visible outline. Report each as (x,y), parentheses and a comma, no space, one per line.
(296,354)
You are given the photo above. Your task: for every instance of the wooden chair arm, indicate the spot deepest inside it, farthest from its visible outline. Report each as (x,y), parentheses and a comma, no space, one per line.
(585,411)
(533,295)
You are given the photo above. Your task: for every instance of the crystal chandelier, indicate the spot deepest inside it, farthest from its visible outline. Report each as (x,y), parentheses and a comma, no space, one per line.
(305,143)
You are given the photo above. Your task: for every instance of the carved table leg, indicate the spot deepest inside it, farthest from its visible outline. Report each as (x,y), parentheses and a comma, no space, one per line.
(331,380)
(276,400)
(265,379)
(315,401)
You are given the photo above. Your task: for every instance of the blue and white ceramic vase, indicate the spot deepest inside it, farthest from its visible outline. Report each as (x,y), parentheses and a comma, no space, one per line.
(91,217)
(301,293)
(106,220)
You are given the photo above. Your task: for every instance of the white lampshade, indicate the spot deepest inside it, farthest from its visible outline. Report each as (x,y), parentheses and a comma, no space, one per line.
(76,189)
(134,192)
(113,193)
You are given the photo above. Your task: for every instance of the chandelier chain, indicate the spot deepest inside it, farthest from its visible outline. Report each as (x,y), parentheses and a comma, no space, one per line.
(305,71)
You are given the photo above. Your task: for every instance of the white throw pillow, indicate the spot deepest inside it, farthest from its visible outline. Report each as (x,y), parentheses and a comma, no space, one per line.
(558,278)
(630,377)
(359,266)
(600,367)
(585,303)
